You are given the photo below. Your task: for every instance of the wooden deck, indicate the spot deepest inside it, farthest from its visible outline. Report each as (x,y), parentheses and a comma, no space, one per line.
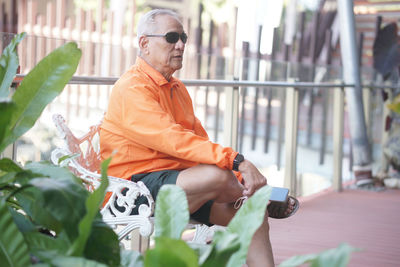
(363,219)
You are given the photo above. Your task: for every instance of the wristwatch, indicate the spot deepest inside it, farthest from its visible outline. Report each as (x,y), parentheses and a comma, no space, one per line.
(236,162)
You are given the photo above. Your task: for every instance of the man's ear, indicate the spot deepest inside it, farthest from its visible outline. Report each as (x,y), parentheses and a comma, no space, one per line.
(143,44)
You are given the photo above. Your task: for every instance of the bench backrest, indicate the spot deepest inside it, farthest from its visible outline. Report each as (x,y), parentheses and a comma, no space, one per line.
(86,160)
(86,147)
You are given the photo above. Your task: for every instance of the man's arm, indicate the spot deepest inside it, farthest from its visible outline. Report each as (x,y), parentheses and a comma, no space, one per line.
(145,121)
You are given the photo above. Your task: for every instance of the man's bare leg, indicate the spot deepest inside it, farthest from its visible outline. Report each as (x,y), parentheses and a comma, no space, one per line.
(260,249)
(202,183)
(206,182)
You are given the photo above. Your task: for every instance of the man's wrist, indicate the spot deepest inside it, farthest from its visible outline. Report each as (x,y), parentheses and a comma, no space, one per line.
(236,162)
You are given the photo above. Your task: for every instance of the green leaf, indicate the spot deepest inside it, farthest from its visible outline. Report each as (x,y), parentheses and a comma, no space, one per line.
(9,65)
(338,257)
(394,107)
(32,203)
(203,250)
(93,204)
(298,260)
(244,227)
(395,104)
(131,258)
(170,253)
(6,110)
(13,173)
(39,88)
(7,179)
(45,168)
(8,165)
(41,243)
(13,249)
(224,245)
(171,213)
(63,199)
(103,244)
(23,223)
(68,261)
(65,159)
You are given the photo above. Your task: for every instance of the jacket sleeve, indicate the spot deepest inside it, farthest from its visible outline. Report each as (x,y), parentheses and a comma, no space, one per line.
(145,121)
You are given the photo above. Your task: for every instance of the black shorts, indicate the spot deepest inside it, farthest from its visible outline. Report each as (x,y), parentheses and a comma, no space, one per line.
(154,181)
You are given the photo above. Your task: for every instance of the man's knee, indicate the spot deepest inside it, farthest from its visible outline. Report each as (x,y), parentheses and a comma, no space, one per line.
(226,186)
(210,181)
(212,175)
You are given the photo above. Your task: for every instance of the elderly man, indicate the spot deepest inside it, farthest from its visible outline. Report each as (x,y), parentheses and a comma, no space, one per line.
(151,124)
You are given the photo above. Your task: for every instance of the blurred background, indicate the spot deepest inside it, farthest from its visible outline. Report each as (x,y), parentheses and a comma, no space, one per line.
(255,40)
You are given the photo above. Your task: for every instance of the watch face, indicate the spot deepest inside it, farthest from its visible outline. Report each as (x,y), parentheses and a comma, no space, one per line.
(238,159)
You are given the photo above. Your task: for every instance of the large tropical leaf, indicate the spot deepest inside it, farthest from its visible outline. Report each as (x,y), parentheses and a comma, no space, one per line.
(13,249)
(7,165)
(45,244)
(253,208)
(93,204)
(6,110)
(103,244)
(32,203)
(8,172)
(39,88)
(56,198)
(131,258)
(47,169)
(63,199)
(171,214)
(60,198)
(22,221)
(67,261)
(14,174)
(170,252)
(9,65)
(222,249)
(338,257)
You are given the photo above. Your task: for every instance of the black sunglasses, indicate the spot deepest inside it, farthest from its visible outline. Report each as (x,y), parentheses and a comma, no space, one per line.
(171,37)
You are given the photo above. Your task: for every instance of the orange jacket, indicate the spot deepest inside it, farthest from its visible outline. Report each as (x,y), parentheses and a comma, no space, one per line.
(151,125)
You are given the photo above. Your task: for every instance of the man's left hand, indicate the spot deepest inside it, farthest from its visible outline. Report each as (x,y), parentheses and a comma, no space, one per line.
(252,178)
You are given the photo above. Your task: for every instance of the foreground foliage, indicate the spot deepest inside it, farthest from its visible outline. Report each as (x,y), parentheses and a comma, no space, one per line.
(46,215)
(228,248)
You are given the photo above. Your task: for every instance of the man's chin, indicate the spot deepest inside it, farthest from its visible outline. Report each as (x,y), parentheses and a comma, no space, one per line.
(177,66)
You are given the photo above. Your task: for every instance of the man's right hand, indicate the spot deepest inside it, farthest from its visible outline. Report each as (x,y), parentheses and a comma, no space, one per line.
(252,178)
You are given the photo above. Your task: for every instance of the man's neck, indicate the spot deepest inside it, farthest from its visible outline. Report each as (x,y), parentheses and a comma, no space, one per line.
(167,76)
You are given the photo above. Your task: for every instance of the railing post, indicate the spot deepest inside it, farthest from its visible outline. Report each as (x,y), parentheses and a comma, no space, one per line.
(338,111)
(366,94)
(291,122)
(231,114)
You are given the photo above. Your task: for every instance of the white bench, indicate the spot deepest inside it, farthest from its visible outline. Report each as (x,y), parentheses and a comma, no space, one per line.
(84,162)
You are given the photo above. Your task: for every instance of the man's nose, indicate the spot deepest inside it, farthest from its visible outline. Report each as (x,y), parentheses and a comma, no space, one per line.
(180,45)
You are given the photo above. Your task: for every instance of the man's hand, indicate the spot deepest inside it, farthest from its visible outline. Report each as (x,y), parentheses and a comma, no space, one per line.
(252,178)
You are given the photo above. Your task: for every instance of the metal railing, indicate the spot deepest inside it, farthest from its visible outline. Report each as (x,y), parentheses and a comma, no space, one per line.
(231,115)
(97,80)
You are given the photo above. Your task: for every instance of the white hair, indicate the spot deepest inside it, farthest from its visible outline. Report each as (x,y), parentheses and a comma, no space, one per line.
(147,23)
